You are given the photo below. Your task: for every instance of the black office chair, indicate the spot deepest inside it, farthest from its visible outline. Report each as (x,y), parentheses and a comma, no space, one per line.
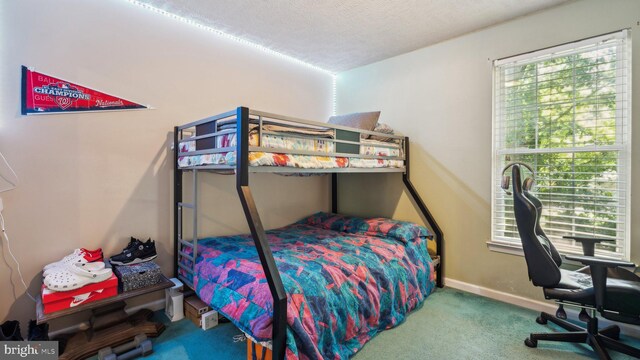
(604,286)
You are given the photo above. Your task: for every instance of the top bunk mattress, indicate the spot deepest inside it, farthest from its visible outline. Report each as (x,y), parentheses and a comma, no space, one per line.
(346,279)
(290,138)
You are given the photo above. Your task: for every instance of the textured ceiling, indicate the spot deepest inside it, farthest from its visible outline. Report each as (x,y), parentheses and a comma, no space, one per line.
(338,35)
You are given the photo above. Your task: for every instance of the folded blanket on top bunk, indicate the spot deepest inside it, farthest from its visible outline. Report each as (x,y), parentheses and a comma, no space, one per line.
(284,140)
(346,279)
(318,132)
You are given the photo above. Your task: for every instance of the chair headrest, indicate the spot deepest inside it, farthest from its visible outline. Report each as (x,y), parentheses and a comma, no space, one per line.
(517,183)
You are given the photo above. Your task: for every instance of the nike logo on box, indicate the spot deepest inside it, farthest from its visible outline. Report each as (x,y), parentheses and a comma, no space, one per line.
(79,299)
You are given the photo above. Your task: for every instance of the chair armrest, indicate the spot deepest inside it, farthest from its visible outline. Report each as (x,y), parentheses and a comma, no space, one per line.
(587,239)
(598,269)
(588,243)
(600,262)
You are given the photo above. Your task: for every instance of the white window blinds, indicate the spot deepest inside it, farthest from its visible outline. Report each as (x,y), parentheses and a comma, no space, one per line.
(566,112)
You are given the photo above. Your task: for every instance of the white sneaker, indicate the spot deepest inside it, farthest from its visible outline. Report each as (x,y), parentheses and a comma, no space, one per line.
(79,256)
(76,276)
(90,266)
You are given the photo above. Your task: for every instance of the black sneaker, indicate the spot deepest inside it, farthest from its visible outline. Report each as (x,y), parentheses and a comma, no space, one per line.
(10,331)
(136,252)
(133,243)
(38,332)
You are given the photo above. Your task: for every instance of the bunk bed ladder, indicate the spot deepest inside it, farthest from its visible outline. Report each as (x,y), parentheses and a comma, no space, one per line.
(279,335)
(180,243)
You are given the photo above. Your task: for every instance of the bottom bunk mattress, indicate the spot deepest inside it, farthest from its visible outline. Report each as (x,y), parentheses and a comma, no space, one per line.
(346,279)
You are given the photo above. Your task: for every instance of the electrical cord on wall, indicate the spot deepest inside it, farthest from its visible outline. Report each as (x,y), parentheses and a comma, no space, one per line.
(12,183)
(4,233)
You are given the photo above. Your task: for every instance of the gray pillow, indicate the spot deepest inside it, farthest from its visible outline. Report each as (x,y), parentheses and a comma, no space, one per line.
(364,120)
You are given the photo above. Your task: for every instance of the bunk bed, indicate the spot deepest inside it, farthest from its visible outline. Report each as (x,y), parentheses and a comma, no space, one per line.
(245,141)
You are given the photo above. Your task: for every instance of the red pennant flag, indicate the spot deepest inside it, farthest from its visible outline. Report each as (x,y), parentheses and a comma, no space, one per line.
(42,94)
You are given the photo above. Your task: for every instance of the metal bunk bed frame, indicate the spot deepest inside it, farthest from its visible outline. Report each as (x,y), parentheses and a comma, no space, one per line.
(241,169)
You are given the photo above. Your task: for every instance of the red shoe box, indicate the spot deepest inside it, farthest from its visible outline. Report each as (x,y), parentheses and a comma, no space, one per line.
(59,300)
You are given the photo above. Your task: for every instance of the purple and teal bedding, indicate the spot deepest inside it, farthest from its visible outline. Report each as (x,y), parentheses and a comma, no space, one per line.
(346,279)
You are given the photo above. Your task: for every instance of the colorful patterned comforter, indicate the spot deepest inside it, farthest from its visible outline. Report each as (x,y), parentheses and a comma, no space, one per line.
(346,279)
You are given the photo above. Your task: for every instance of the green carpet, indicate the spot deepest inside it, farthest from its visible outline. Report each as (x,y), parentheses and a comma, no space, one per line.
(451,325)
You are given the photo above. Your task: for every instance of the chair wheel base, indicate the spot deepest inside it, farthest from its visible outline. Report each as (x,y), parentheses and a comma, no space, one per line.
(540,320)
(531,343)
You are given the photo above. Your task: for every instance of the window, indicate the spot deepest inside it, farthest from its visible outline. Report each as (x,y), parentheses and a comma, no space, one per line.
(566,112)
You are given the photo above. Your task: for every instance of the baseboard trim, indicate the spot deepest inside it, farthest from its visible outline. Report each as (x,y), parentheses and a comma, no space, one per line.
(151,305)
(572,313)
(501,296)
(524,302)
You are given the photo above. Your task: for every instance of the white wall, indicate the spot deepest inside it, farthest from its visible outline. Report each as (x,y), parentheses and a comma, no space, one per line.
(441,97)
(94,179)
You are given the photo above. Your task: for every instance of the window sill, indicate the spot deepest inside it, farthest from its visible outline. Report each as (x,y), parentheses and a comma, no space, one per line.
(513,249)
(506,248)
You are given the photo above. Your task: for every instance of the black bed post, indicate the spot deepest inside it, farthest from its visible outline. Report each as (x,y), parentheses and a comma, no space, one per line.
(271,272)
(425,212)
(177,198)
(334,193)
